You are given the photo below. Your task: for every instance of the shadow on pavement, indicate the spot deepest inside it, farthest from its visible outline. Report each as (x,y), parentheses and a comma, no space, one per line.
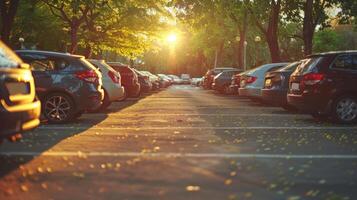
(13,155)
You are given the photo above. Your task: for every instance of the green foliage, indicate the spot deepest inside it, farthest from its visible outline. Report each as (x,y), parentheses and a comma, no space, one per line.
(327,40)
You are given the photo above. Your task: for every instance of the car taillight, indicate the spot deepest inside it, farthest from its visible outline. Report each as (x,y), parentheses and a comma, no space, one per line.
(312,78)
(88,76)
(114,77)
(250,79)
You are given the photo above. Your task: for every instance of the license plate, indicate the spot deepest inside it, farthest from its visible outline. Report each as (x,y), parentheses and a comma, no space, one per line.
(268,82)
(295,86)
(18,88)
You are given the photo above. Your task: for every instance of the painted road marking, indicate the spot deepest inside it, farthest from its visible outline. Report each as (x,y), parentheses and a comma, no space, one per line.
(194,114)
(182,155)
(68,127)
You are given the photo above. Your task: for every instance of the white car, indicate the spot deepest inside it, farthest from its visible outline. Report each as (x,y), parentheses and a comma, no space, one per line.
(252,82)
(113,90)
(186,78)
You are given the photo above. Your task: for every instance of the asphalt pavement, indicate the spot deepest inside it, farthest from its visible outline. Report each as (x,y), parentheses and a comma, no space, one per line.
(184,142)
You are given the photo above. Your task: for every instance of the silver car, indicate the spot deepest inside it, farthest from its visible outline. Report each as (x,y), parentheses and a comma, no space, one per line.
(113,90)
(252,82)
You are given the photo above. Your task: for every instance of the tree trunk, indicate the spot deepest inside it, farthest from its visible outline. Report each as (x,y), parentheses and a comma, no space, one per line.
(74,38)
(272,32)
(8,12)
(308,27)
(274,48)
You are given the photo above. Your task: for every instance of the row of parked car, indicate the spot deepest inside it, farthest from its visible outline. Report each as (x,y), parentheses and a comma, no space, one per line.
(62,86)
(323,85)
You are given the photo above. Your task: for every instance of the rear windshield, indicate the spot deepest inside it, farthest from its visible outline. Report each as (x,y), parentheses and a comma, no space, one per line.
(291,67)
(308,65)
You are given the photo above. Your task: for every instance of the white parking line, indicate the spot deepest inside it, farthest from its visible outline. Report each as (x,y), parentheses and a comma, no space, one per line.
(181,155)
(195,114)
(198,128)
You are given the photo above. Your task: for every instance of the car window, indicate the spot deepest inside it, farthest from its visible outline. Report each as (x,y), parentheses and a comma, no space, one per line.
(42,65)
(345,62)
(308,65)
(275,68)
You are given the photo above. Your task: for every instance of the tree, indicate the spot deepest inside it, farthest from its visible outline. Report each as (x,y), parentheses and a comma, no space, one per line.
(266,15)
(73,13)
(8,9)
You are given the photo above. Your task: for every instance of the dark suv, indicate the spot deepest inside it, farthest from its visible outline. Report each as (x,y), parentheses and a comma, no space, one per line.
(19,107)
(66,84)
(129,78)
(324,85)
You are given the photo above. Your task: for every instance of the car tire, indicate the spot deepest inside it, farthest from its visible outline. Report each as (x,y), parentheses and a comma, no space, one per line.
(58,108)
(344,109)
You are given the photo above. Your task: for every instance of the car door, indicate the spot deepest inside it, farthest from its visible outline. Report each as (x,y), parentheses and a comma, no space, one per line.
(344,72)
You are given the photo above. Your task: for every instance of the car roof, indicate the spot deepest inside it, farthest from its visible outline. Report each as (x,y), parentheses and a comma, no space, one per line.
(332,53)
(49,53)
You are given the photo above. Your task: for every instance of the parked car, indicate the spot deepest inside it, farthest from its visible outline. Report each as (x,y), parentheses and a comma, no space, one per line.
(66,84)
(144,80)
(324,85)
(196,81)
(186,78)
(209,76)
(153,79)
(252,82)
(113,90)
(235,82)
(129,79)
(164,80)
(19,108)
(222,81)
(176,80)
(276,85)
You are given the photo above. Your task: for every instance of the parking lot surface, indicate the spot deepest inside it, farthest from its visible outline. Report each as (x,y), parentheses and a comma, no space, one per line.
(183,143)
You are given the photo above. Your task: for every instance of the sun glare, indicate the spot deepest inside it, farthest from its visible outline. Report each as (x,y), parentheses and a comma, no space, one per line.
(172,38)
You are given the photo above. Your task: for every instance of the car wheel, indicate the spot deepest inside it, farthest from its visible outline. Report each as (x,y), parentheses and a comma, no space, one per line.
(58,108)
(344,110)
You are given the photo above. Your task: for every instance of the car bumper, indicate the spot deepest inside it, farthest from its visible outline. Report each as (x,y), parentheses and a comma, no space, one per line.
(134,90)
(250,92)
(94,100)
(305,103)
(19,118)
(276,97)
(115,92)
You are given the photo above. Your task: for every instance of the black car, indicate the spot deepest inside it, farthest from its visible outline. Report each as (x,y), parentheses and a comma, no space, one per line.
(222,81)
(276,85)
(324,85)
(66,84)
(19,108)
